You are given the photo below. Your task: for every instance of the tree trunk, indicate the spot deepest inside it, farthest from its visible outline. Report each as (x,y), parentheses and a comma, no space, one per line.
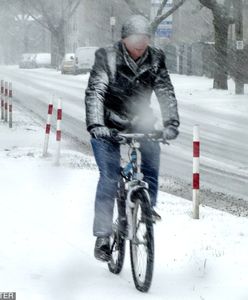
(57,47)
(221,63)
(25,38)
(53,49)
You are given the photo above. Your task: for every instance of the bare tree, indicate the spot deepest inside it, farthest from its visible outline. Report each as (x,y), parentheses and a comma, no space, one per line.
(222,18)
(14,28)
(53,15)
(160,15)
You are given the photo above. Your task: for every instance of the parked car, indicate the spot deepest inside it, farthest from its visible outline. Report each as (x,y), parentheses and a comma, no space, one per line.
(42,60)
(27,61)
(84,59)
(67,65)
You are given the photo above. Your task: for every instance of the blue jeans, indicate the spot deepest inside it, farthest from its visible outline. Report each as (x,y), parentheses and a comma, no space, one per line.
(107,156)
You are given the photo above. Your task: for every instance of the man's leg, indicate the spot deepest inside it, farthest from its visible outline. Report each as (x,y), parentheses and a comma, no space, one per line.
(107,155)
(150,167)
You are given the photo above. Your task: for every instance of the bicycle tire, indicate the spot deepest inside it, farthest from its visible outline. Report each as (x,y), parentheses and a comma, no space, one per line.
(117,240)
(142,271)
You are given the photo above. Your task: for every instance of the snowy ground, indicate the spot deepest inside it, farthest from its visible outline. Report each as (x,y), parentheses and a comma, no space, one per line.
(47,245)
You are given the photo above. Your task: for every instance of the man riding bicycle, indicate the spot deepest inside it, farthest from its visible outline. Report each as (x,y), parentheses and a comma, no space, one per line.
(119,92)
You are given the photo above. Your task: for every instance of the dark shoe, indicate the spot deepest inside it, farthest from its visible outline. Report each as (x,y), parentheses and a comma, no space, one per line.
(102,249)
(155,216)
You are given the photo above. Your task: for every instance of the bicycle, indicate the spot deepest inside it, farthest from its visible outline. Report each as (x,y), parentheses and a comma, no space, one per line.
(133,221)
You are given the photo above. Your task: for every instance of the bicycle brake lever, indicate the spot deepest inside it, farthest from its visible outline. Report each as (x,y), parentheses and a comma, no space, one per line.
(121,139)
(116,137)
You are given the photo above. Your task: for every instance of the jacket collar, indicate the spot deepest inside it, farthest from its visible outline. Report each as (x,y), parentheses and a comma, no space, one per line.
(134,65)
(137,67)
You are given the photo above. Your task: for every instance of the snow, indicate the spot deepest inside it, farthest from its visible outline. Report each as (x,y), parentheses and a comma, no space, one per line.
(46,232)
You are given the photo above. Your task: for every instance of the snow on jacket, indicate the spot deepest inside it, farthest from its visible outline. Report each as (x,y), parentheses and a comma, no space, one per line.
(117,85)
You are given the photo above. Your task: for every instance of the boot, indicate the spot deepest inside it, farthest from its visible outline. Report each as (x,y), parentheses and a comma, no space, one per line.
(102,249)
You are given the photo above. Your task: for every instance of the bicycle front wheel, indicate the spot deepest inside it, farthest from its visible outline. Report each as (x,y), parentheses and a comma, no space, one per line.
(142,244)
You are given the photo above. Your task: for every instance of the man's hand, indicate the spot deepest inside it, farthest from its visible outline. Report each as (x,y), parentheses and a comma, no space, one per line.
(100,132)
(170,132)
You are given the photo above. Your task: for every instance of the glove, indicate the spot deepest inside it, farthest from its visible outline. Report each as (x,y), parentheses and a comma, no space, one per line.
(170,132)
(100,132)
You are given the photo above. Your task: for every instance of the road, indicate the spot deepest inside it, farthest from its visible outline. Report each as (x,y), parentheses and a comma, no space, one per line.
(224,136)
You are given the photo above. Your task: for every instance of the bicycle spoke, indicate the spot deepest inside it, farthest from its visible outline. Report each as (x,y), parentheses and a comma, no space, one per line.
(141,245)
(141,263)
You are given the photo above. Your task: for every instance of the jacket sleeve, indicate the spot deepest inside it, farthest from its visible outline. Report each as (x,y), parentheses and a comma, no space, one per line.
(164,91)
(95,92)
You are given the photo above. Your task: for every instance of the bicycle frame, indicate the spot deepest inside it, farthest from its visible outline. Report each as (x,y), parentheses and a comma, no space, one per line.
(132,173)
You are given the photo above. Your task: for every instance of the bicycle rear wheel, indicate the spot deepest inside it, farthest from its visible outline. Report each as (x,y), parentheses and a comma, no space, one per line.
(142,244)
(117,240)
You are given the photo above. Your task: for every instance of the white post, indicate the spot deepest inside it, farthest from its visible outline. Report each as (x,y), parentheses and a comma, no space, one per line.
(196,173)
(6,102)
(48,127)
(10,104)
(58,131)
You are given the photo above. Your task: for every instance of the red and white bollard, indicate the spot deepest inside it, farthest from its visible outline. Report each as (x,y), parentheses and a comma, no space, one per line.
(10,104)
(196,172)
(2,100)
(6,101)
(48,128)
(58,131)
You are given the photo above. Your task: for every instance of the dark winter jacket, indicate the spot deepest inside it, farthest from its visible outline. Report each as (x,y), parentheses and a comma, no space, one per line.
(116,85)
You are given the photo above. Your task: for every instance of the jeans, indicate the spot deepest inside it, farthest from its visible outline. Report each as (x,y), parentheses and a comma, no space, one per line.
(107,156)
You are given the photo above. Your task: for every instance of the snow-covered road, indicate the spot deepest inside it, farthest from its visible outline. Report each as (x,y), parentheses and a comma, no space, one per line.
(222,117)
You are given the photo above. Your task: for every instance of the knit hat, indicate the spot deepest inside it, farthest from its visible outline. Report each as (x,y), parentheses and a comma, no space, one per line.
(136,24)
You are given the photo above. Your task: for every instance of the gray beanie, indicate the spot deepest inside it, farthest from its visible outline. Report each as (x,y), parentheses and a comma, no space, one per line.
(136,24)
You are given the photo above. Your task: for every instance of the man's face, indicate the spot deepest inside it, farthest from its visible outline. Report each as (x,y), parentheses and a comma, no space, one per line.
(136,45)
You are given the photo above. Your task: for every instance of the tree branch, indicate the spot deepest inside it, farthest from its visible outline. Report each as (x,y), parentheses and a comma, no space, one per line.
(211,4)
(220,10)
(161,7)
(73,9)
(39,10)
(159,19)
(133,7)
(49,20)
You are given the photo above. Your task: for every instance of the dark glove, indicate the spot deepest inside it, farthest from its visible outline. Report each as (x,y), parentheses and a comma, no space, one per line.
(170,132)
(100,132)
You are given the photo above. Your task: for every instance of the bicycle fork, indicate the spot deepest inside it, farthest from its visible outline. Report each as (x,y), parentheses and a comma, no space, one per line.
(133,187)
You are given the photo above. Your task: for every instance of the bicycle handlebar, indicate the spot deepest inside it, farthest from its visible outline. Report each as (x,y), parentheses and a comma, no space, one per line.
(124,138)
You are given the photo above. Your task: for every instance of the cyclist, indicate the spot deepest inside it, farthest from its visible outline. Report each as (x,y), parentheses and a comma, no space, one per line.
(119,91)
